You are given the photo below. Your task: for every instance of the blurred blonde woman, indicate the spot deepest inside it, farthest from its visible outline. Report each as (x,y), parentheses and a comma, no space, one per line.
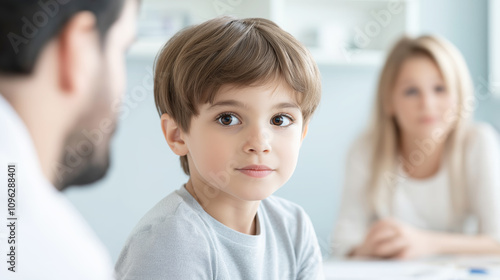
(424,179)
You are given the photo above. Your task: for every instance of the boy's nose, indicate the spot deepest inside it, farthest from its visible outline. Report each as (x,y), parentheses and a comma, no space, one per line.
(258,143)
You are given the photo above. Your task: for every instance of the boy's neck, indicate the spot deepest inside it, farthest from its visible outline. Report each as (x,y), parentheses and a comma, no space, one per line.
(234,213)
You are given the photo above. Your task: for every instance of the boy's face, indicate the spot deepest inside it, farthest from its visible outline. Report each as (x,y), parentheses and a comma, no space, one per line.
(247,142)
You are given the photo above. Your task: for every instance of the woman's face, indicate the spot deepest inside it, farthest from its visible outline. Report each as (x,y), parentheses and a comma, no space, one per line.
(420,100)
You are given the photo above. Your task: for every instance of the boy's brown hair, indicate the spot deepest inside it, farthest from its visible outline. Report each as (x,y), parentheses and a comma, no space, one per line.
(198,60)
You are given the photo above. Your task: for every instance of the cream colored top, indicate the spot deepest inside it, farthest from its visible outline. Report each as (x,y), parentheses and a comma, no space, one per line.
(425,203)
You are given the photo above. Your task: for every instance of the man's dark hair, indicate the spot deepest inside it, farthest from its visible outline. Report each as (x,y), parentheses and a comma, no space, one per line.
(26,26)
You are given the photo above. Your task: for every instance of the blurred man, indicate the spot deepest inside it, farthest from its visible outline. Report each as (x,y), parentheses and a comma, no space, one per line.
(62,77)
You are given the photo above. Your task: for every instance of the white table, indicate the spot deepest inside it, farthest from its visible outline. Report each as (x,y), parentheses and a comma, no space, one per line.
(440,268)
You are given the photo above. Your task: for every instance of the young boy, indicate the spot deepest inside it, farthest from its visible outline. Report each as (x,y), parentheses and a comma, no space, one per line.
(235,99)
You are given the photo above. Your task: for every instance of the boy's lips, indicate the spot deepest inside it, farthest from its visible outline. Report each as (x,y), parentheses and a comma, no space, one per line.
(256,171)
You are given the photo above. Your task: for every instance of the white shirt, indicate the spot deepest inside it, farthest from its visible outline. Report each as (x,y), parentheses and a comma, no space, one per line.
(52,240)
(425,203)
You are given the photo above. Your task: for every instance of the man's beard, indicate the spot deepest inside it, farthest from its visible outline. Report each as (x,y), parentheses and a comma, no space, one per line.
(83,162)
(86,152)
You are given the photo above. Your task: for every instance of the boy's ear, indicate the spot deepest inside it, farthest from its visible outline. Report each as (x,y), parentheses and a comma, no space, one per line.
(304,131)
(173,134)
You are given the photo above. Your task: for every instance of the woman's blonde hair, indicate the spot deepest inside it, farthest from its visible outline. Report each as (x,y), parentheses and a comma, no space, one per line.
(384,132)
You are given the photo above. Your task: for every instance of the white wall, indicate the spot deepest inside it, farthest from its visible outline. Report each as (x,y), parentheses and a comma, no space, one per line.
(144,170)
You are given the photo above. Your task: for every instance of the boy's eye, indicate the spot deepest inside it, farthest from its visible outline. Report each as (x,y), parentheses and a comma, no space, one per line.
(227,119)
(281,120)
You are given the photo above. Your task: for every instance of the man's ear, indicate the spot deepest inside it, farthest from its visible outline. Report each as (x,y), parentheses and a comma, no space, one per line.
(173,135)
(78,47)
(304,131)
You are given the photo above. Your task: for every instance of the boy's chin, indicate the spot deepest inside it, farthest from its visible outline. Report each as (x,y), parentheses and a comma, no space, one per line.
(255,193)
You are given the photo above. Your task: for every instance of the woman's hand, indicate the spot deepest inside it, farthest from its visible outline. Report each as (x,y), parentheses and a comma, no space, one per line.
(392,239)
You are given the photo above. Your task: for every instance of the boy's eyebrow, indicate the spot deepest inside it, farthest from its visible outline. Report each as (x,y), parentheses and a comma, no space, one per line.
(285,105)
(227,103)
(235,103)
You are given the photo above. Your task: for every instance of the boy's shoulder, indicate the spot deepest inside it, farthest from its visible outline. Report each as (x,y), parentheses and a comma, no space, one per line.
(290,222)
(169,233)
(171,213)
(284,212)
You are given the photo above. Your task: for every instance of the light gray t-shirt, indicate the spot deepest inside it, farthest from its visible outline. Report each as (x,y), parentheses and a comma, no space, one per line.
(177,239)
